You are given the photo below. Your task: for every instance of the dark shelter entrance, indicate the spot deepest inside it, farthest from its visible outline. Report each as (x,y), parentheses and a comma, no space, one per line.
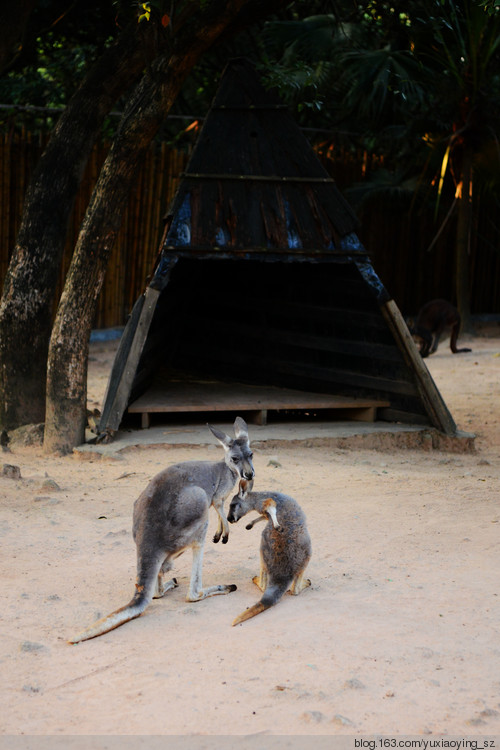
(312,327)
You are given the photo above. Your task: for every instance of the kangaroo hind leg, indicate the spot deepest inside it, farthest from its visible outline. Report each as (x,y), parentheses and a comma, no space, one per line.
(148,573)
(262,580)
(163,585)
(196,591)
(436,337)
(453,340)
(299,583)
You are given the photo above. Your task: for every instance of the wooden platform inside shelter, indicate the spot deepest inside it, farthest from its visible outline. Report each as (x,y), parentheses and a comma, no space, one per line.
(251,401)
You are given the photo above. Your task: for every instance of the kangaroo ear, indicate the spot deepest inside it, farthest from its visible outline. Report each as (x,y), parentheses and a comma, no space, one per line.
(269,507)
(245,487)
(221,436)
(240,428)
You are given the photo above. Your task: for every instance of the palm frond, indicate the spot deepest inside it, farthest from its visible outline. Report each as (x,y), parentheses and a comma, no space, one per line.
(373,77)
(309,39)
(384,188)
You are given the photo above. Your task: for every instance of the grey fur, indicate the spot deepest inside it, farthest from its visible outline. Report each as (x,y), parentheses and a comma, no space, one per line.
(171,515)
(285,548)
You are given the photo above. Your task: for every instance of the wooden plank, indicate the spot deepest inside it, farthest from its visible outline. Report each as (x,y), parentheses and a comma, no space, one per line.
(436,408)
(257,417)
(196,396)
(126,361)
(368,414)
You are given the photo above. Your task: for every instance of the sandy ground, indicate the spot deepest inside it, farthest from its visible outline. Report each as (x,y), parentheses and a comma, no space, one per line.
(397,635)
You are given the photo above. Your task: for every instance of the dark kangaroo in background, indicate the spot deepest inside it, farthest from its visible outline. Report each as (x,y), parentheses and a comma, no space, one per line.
(171,515)
(285,548)
(433,318)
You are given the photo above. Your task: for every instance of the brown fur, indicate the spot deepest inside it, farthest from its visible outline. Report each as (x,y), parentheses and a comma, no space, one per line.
(285,548)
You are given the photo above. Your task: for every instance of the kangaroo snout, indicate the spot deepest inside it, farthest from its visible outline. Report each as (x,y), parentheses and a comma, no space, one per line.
(239,504)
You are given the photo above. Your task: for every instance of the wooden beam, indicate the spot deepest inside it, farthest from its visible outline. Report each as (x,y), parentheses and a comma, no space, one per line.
(368,414)
(436,408)
(252,401)
(126,361)
(257,417)
(196,396)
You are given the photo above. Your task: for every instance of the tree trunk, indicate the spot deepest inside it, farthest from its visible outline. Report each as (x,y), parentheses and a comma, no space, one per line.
(26,308)
(462,269)
(68,353)
(196,29)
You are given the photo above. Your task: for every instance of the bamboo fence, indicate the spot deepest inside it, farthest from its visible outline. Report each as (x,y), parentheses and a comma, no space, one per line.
(136,247)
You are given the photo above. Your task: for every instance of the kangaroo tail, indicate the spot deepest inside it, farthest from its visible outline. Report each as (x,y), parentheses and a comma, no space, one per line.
(270,597)
(144,590)
(130,611)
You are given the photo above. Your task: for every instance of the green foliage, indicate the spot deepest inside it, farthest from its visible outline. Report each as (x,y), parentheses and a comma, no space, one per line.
(490,6)
(58,70)
(300,83)
(463,113)
(62,39)
(354,68)
(418,84)
(382,84)
(394,77)
(310,39)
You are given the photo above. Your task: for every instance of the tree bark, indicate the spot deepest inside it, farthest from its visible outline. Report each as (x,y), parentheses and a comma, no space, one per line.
(196,30)
(26,308)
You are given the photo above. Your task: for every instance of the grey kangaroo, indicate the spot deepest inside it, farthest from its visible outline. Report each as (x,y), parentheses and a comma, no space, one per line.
(285,547)
(171,515)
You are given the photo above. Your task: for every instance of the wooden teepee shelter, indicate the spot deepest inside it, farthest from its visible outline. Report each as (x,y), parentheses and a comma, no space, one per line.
(263,297)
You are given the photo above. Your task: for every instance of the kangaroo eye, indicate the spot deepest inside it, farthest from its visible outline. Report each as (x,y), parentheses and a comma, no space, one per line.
(250,455)
(235,459)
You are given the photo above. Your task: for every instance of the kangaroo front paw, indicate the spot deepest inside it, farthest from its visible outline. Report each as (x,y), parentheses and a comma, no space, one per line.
(217,537)
(225,538)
